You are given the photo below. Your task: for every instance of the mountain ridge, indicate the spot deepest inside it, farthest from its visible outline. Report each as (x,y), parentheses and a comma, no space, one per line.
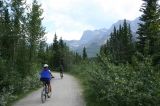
(93,39)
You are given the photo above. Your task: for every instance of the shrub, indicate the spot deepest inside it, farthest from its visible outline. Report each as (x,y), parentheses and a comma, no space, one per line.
(124,85)
(12,83)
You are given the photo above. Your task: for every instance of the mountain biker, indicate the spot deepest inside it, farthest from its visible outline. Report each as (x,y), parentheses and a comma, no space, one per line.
(61,68)
(45,76)
(61,71)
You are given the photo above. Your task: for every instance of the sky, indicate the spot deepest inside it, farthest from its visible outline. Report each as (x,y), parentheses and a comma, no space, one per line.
(69,18)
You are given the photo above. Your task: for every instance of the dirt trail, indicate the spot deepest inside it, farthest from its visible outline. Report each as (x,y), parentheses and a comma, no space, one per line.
(65,92)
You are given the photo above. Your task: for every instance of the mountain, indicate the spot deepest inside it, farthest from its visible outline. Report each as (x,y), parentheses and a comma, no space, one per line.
(93,39)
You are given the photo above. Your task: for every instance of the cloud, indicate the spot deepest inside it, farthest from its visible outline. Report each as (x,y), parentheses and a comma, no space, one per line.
(69,18)
(49,37)
(119,9)
(65,35)
(66,27)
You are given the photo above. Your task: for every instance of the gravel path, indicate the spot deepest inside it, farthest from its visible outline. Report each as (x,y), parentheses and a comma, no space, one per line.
(65,92)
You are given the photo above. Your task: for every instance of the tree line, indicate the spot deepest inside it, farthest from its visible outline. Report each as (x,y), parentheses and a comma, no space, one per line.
(120,47)
(58,53)
(21,34)
(126,71)
(23,49)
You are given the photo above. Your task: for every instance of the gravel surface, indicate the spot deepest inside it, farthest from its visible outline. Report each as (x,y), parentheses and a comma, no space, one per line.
(65,92)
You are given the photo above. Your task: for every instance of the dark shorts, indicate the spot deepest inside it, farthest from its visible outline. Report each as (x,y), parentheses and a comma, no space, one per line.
(45,80)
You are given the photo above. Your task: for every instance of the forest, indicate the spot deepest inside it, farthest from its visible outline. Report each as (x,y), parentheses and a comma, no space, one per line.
(125,72)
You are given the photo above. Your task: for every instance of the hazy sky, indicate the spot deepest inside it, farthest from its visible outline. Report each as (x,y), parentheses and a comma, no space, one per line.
(69,18)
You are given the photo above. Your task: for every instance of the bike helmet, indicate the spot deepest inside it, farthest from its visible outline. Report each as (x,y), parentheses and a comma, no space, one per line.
(45,65)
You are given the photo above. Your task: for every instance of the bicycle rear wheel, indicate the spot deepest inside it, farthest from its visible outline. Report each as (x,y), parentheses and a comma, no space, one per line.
(61,75)
(43,95)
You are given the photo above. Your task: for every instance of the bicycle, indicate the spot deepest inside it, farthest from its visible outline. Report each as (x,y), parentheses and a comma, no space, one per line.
(61,75)
(61,71)
(44,92)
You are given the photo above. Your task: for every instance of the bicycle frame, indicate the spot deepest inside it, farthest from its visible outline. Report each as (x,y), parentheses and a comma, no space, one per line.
(44,93)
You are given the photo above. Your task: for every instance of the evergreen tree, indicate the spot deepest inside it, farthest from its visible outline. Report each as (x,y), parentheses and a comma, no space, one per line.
(1,25)
(42,52)
(119,48)
(127,46)
(149,29)
(18,9)
(66,57)
(84,53)
(55,53)
(36,30)
(21,32)
(62,52)
(19,54)
(5,44)
(77,58)
(61,47)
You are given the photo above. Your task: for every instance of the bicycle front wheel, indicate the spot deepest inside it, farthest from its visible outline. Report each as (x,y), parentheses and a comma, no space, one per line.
(43,95)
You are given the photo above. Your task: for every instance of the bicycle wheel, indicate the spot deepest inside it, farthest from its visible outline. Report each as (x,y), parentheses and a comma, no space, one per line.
(61,75)
(49,94)
(43,95)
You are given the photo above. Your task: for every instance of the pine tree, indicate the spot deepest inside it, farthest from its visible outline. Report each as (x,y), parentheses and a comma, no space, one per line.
(55,53)
(61,47)
(1,25)
(42,52)
(149,28)
(5,37)
(84,53)
(19,47)
(127,47)
(55,43)
(77,58)
(62,52)
(36,30)
(18,10)
(19,29)
(119,48)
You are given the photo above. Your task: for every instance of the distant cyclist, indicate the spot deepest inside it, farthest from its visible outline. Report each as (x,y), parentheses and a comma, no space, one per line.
(61,68)
(46,76)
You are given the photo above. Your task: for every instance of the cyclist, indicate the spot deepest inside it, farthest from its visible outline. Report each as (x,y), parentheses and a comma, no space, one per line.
(45,76)
(61,71)
(61,68)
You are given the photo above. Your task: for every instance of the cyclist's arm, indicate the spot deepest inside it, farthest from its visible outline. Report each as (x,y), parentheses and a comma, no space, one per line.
(51,74)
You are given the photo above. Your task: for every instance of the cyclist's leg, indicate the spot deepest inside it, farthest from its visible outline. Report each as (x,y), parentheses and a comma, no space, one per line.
(42,80)
(49,85)
(46,81)
(50,89)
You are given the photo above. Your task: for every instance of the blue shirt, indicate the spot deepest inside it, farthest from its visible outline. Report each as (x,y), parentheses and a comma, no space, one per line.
(45,73)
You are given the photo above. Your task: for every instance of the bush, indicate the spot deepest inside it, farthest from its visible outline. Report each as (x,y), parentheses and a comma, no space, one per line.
(125,85)
(13,84)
